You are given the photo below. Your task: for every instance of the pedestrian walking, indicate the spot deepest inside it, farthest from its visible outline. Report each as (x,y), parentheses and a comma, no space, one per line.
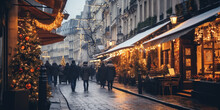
(110,74)
(92,70)
(61,74)
(66,72)
(55,72)
(49,72)
(85,73)
(102,75)
(73,75)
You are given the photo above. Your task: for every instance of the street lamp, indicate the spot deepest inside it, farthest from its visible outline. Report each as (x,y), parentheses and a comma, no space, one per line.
(110,43)
(173,19)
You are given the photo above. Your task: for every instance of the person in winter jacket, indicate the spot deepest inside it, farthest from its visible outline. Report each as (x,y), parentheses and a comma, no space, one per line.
(85,73)
(49,71)
(66,71)
(55,69)
(110,70)
(102,75)
(73,75)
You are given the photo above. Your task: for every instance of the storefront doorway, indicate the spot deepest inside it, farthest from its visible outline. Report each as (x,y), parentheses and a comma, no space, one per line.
(188,62)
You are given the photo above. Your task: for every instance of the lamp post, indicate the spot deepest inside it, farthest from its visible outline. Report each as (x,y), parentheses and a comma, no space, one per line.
(173,19)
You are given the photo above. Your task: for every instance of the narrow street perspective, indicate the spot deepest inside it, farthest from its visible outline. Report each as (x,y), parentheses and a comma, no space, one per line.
(97,98)
(109,54)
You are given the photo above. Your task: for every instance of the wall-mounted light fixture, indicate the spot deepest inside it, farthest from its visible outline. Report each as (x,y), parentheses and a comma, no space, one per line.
(173,19)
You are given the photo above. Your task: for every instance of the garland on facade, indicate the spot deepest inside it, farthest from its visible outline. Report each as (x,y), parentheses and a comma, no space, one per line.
(56,23)
(207,31)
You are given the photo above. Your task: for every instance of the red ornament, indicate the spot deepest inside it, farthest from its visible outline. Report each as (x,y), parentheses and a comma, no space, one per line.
(22,47)
(38,68)
(20,35)
(27,38)
(28,86)
(32,70)
(20,70)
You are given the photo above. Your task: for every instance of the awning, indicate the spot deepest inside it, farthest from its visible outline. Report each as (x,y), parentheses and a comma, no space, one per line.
(56,5)
(47,37)
(130,42)
(182,28)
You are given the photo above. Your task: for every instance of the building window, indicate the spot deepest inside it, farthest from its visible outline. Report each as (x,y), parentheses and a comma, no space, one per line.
(140,13)
(145,10)
(166,53)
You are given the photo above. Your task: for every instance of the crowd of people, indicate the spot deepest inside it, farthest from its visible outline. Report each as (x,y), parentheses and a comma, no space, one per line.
(106,73)
(71,72)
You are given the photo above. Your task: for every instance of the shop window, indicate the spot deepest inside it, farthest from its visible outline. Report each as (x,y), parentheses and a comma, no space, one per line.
(166,53)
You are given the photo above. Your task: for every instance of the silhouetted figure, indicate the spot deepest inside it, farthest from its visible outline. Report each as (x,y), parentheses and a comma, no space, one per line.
(85,73)
(61,74)
(73,75)
(55,69)
(49,71)
(66,71)
(102,75)
(92,70)
(110,74)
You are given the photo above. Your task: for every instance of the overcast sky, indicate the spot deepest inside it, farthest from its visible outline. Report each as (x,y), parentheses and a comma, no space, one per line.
(74,7)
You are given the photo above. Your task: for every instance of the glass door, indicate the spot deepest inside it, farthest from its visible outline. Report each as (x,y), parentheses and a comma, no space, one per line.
(187,62)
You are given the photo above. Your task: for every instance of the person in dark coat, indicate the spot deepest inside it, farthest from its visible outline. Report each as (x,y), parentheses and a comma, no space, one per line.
(73,75)
(92,70)
(102,75)
(110,74)
(55,69)
(49,72)
(66,71)
(61,74)
(85,73)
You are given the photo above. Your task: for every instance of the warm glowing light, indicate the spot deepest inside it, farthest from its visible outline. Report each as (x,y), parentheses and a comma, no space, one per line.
(56,23)
(173,19)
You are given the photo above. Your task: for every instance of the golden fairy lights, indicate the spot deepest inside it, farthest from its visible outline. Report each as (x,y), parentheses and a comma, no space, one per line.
(208,31)
(56,23)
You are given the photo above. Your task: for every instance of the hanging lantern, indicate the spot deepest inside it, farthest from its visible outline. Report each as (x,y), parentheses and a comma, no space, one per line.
(173,19)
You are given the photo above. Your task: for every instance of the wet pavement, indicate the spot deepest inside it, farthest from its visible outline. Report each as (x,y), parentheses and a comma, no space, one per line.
(57,100)
(173,99)
(101,99)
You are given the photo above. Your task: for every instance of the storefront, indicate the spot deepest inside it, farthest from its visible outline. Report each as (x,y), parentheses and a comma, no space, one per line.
(192,50)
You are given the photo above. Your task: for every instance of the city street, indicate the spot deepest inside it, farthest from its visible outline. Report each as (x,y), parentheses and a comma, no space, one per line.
(101,99)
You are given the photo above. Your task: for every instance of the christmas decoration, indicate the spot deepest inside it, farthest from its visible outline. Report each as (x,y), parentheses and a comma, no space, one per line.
(27,38)
(32,70)
(22,47)
(56,23)
(20,36)
(28,86)
(26,59)
(63,61)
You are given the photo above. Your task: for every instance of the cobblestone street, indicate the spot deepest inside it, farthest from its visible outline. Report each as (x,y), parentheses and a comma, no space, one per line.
(101,99)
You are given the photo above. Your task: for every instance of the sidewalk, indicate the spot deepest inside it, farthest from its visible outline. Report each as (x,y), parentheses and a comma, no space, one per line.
(57,100)
(170,99)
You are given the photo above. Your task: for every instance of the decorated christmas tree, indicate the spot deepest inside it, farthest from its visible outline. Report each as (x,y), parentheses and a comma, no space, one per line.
(25,65)
(63,63)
